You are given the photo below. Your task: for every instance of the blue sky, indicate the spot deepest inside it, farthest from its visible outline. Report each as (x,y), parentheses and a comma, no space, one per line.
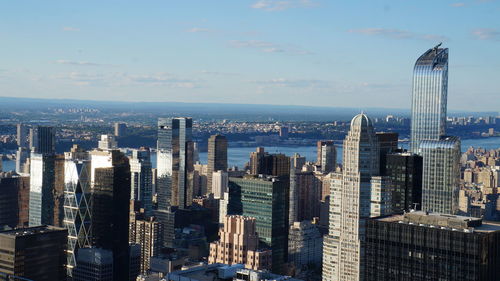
(293,52)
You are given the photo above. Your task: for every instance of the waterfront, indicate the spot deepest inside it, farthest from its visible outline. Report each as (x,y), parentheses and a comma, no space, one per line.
(238,156)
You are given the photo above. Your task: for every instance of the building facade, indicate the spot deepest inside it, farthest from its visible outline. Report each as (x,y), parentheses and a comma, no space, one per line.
(441,174)
(405,171)
(141,179)
(429,97)
(217,157)
(431,246)
(326,156)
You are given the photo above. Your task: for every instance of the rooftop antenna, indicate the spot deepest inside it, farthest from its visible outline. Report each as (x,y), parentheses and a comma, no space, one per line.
(437,47)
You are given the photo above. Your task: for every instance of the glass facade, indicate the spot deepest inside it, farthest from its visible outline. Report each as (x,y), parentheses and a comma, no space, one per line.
(429,99)
(441,174)
(41,203)
(141,179)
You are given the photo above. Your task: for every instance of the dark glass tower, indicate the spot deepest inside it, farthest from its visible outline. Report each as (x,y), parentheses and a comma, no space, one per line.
(266,200)
(110,211)
(217,157)
(405,171)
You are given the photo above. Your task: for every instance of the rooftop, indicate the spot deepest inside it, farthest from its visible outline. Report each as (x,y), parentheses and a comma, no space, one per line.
(444,221)
(31,230)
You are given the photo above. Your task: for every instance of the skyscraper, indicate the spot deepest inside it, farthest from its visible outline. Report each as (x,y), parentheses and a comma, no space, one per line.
(22,153)
(327,156)
(77,203)
(36,253)
(388,143)
(94,264)
(217,157)
(405,171)
(350,204)
(431,246)
(429,98)
(120,129)
(441,174)
(43,140)
(265,199)
(110,207)
(174,169)
(21,139)
(41,201)
(141,179)
(14,191)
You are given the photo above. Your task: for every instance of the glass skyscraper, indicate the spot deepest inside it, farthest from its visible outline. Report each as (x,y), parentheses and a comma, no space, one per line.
(430,92)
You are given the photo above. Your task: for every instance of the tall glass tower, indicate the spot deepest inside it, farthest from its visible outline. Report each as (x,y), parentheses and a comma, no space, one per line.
(430,93)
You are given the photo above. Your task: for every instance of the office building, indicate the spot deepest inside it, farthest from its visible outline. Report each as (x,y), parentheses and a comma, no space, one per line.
(22,156)
(405,172)
(42,140)
(429,97)
(77,199)
(94,264)
(350,202)
(141,179)
(175,168)
(21,139)
(14,194)
(441,174)
(110,194)
(326,156)
(36,253)
(305,245)
(219,183)
(42,181)
(120,129)
(147,233)
(217,157)
(388,142)
(305,196)
(107,142)
(257,165)
(240,234)
(266,200)
(431,246)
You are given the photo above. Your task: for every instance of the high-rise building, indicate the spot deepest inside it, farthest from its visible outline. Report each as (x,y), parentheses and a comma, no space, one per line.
(219,183)
(94,264)
(266,200)
(147,233)
(305,197)
(43,140)
(239,244)
(107,142)
(42,180)
(175,161)
(305,245)
(441,174)
(21,139)
(388,143)
(77,170)
(217,157)
(36,253)
(429,98)
(257,165)
(110,193)
(327,156)
(350,202)
(14,192)
(431,246)
(405,171)
(22,165)
(141,179)
(120,129)
(175,168)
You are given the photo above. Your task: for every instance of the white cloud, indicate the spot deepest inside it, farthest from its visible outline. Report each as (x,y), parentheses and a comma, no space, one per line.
(457,5)
(70,29)
(280,5)
(398,34)
(292,83)
(199,30)
(268,47)
(83,63)
(486,34)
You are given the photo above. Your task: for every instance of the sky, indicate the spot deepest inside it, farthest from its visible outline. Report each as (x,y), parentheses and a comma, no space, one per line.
(291,52)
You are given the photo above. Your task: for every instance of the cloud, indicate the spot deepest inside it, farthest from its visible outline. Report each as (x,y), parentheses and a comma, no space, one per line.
(281,5)
(268,47)
(124,79)
(70,29)
(208,72)
(486,34)
(398,34)
(199,30)
(292,83)
(83,63)
(457,5)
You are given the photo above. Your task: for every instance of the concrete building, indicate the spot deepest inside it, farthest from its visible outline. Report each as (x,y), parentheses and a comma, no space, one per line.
(217,158)
(239,244)
(326,156)
(94,264)
(219,183)
(431,246)
(305,245)
(37,253)
(141,179)
(14,195)
(120,129)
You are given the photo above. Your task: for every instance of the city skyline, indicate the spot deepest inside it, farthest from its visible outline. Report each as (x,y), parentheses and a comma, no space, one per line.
(297,52)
